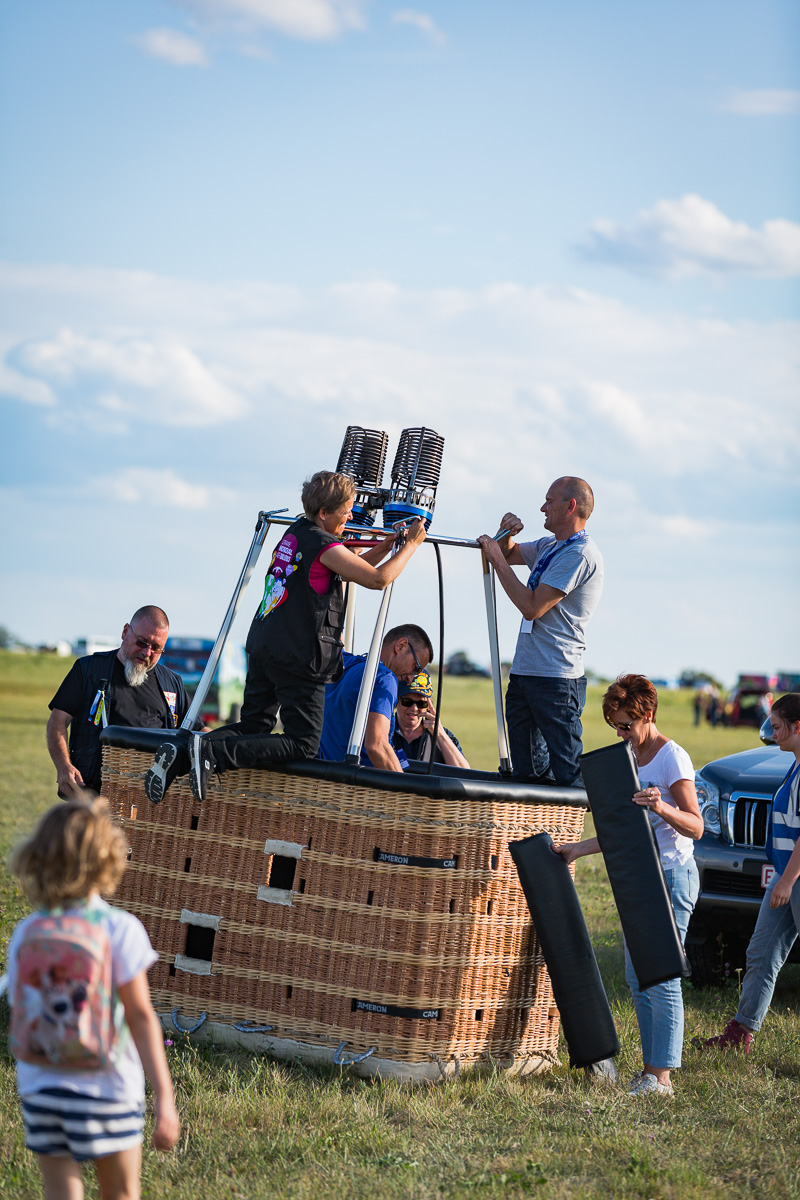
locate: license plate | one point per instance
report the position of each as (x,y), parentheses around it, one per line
(767,872)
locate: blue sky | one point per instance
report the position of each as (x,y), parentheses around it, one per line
(567,237)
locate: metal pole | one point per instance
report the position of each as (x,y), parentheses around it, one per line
(262,528)
(494,651)
(350,619)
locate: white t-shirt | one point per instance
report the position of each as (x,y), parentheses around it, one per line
(131,953)
(670,764)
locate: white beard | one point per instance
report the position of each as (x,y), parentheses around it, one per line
(135,673)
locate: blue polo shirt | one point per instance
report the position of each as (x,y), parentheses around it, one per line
(340,706)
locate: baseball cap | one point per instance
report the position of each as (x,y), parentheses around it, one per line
(419,685)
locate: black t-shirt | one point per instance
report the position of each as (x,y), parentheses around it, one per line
(126,705)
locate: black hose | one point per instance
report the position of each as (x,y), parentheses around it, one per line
(435,740)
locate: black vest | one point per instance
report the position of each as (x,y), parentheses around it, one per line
(297,629)
(84,736)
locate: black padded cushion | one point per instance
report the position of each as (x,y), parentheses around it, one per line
(447,785)
(634,865)
(557,916)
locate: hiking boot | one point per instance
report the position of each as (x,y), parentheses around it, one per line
(647,1083)
(201,764)
(162,772)
(734,1036)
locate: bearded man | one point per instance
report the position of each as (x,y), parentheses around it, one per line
(127,686)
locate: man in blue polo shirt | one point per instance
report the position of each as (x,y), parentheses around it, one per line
(406,649)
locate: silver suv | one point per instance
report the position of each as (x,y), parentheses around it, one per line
(735,795)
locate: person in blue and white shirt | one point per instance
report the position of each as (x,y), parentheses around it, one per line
(547,687)
(778,923)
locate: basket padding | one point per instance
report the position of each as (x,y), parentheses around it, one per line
(634,865)
(577,987)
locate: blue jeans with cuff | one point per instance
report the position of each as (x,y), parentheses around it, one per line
(773,937)
(659,1009)
(544,728)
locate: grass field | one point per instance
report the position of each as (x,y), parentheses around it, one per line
(255,1128)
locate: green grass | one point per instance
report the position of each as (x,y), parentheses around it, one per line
(259,1129)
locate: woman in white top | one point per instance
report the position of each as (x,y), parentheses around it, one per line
(666,776)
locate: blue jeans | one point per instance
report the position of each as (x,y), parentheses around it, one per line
(544,727)
(659,1009)
(773,937)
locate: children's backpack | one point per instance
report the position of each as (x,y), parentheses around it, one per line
(62,1009)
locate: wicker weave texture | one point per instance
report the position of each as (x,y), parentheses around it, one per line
(335,913)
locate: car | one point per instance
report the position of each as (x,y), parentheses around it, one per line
(735,796)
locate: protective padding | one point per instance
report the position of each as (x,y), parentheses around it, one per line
(633,863)
(577,987)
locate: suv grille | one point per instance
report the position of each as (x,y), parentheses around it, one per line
(725,883)
(744,820)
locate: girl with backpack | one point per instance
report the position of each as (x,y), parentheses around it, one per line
(82,1023)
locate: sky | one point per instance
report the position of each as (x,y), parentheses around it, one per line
(564,236)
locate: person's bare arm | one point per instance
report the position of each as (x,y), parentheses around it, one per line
(685,819)
(375,554)
(355,568)
(377,745)
(530,604)
(149,1040)
(449,750)
(569,851)
(782,889)
(70,780)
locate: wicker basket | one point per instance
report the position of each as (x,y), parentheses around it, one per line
(300,914)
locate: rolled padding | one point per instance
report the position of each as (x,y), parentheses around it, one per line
(633,863)
(558,919)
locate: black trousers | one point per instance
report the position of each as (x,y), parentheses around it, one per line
(251,742)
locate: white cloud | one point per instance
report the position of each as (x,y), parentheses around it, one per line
(686,428)
(144,378)
(160,488)
(16,386)
(691,236)
(310,20)
(421,21)
(768,102)
(173,47)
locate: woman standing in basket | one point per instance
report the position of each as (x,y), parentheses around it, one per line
(666,776)
(294,644)
(778,921)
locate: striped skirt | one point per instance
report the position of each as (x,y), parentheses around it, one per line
(65,1123)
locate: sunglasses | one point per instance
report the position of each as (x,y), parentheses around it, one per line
(623,728)
(418,664)
(407,702)
(143,644)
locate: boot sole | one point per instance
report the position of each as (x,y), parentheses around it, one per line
(157,780)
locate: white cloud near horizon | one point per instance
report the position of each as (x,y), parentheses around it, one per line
(134,377)
(691,236)
(161,488)
(195,398)
(173,47)
(309,20)
(768,102)
(422,21)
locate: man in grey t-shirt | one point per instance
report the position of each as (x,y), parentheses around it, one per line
(547,687)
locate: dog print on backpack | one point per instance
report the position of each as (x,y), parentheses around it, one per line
(62,1010)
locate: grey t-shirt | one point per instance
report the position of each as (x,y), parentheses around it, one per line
(554,643)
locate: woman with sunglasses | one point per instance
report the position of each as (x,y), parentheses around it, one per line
(666,776)
(415,719)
